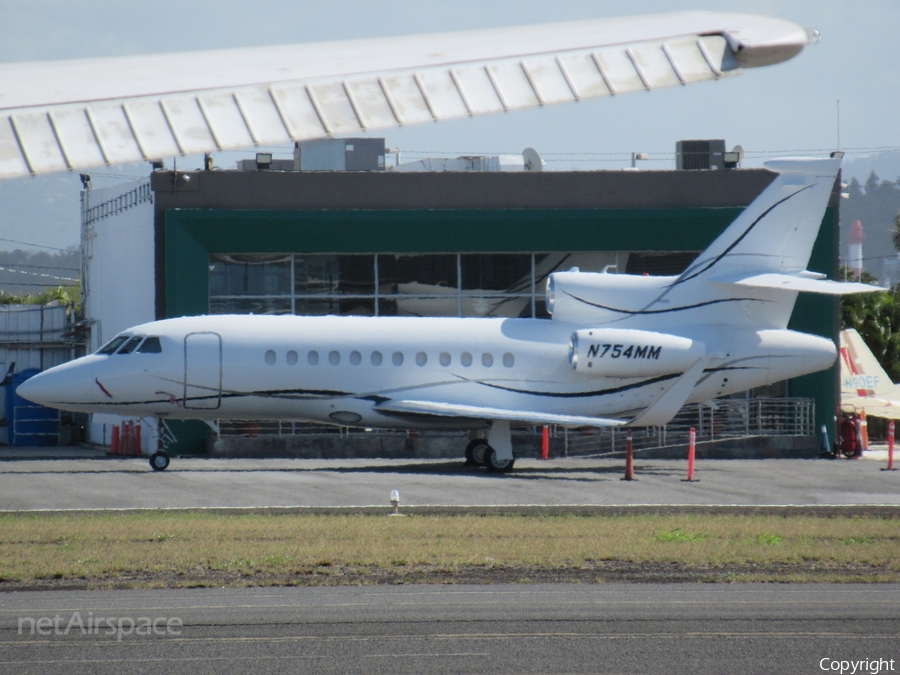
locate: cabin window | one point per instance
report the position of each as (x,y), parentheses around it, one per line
(111,346)
(421,359)
(292,358)
(376,358)
(466,359)
(509,360)
(487,359)
(355,358)
(397,358)
(445,359)
(150,346)
(334,357)
(131,345)
(313,358)
(270,357)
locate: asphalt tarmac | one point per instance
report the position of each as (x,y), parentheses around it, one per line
(671,629)
(57,481)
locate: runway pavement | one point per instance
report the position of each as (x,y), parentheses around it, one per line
(671,629)
(92,481)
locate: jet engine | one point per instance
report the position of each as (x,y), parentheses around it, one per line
(622,352)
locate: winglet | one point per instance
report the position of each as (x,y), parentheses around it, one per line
(667,406)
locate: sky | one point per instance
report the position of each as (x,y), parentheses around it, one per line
(788,109)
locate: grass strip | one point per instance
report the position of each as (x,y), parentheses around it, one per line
(200,548)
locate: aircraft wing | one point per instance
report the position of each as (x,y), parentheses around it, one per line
(69,115)
(874,407)
(479,412)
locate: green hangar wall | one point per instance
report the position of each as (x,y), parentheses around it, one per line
(240,212)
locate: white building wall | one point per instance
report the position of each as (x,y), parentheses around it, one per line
(118,274)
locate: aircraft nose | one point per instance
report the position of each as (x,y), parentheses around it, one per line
(58,387)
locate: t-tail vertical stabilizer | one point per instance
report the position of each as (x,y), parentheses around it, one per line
(864,384)
(776,233)
(749,276)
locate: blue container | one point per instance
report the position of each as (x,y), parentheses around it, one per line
(29,423)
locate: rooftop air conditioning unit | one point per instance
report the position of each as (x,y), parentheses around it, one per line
(706,155)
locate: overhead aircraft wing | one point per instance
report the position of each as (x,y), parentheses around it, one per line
(479,412)
(57,116)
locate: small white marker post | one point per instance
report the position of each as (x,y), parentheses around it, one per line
(890,466)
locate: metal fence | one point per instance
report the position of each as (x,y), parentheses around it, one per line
(729,418)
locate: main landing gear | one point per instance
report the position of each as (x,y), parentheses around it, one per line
(495,452)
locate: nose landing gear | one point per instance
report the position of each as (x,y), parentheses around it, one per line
(159,461)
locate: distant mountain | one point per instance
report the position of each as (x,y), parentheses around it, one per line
(885,164)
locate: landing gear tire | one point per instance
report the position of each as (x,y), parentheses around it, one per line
(495,465)
(476,451)
(159,461)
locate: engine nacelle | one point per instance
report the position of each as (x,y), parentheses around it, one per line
(622,352)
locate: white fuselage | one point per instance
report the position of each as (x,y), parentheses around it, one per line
(338,369)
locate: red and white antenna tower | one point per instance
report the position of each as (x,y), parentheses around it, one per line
(854,248)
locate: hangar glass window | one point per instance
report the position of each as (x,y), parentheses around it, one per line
(409,284)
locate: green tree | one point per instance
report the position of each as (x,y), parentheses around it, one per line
(895,236)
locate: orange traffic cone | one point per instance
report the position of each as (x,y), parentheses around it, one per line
(114,443)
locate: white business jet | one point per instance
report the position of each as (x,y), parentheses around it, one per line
(620,350)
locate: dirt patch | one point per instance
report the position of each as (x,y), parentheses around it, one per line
(601,572)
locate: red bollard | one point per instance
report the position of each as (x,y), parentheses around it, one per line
(890,466)
(545,443)
(692,448)
(114,443)
(864,429)
(629,458)
(137,440)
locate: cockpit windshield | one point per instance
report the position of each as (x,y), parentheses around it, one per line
(126,344)
(131,345)
(111,346)
(151,346)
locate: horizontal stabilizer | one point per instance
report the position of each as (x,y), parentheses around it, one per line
(805,282)
(479,412)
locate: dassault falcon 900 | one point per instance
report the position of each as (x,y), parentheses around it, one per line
(619,350)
